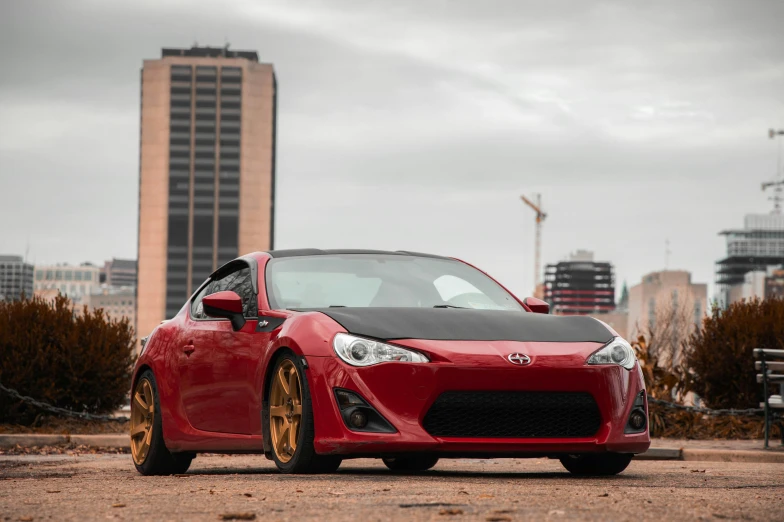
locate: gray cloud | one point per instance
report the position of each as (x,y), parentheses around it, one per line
(417,125)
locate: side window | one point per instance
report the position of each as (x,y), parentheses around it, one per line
(240,282)
(197,310)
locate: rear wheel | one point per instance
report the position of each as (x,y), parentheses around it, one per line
(596,464)
(411,463)
(291,421)
(149,452)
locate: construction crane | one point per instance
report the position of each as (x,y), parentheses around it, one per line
(540,216)
(778,185)
(778,188)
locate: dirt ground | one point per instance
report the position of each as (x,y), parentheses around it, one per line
(105,486)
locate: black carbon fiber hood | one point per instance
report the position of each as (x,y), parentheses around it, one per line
(452,324)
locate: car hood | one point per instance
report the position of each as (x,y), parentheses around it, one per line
(452,324)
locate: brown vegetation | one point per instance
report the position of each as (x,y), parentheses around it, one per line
(79,361)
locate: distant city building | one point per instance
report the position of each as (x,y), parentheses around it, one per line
(207,171)
(116,302)
(580,286)
(75,282)
(774,284)
(755,248)
(119,272)
(16,278)
(666,292)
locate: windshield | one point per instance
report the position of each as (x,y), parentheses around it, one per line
(370,280)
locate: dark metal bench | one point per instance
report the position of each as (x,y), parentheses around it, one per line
(771,364)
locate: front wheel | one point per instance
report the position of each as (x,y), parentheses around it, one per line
(411,463)
(291,421)
(596,464)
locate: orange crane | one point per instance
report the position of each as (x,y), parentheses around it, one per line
(540,216)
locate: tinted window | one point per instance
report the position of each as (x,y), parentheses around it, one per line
(197,309)
(238,281)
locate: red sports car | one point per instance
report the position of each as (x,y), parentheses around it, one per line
(315,356)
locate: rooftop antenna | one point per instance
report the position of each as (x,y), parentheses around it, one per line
(778,184)
(667,253)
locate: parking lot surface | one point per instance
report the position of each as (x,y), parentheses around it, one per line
(218,487)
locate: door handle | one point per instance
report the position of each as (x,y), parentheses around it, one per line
(188,349)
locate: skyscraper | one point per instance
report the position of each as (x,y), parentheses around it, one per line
(207,171)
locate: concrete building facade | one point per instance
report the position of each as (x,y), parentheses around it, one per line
(207,171)
(16,278)
(751,252)
(663,292)
(119,273)
(75,282)
(116,302)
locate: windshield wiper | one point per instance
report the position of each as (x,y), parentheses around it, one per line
(449,306)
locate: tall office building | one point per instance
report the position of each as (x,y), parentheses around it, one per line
(207,171)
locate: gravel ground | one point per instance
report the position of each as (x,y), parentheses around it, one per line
(104,486)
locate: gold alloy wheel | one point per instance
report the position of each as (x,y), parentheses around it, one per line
(285,410)
(142,416)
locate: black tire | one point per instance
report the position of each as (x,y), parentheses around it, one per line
(159,460)
(596,464)
(411,463)
(305,460)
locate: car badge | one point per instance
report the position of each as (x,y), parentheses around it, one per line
(264,323)
(519,359)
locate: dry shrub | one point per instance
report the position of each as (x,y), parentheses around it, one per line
(77,361)
(680,424)
(720,354)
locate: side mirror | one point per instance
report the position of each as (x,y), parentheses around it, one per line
(537,306)
(225,304)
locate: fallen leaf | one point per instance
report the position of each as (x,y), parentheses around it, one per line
(604,495)
(247,494)
(698,471)
(451,511)
(462,492)
(238,516)
(53,491)
(299,491)
(118,505)
(498,518)
(502,511)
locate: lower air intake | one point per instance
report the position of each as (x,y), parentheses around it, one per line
(521,415)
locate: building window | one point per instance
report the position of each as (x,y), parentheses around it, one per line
(88,276)
(58,275)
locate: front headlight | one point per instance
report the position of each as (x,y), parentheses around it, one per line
(357,351)
(617,351)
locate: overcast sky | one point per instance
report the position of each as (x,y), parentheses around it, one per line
(417,125)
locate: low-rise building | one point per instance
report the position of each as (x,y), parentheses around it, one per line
(75,282)
(119,272)
(16,278)
(116,302)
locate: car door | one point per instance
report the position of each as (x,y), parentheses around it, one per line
(216,361)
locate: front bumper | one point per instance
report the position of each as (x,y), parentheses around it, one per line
(403,393)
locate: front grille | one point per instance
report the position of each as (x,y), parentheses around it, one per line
(513,415)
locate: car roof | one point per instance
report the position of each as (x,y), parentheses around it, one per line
(298,252)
